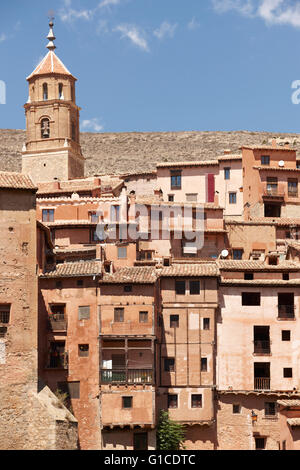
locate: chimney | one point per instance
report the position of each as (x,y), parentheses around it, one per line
(227,152)
(56,184)
(274,143)
(158,194)
(97,181)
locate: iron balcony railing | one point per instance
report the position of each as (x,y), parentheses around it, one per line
(262,383)
(272,191)
(262,347)
(286,311)
(132,376)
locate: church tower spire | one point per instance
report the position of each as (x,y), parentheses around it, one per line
(52,149)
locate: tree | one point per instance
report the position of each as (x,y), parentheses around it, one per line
(170,435)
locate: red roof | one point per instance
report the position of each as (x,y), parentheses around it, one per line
(15,181)
(50,64)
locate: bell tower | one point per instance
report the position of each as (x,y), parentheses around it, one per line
(52,149)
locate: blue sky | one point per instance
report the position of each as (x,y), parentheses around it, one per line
(161,65)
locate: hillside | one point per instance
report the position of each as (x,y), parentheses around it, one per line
(117,153)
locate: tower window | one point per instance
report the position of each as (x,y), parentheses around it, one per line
(45,92)
(73,131)
(45,128)
(60,91)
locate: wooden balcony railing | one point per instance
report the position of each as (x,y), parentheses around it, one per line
(129,376)
(262,347)
(286,311)
(57,322)
(273,192)
(262,383)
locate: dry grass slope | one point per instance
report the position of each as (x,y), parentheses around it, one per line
(119,153)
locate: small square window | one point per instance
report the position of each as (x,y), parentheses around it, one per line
(122,252)
(174,321)
(79,283)
(260,443)
(128,288)
(265,160)
(196,401)
(171,197)
(270,408)
(84,313)
(172,401)
(169,363)
(250,298)
(285,276)
(285,335)
(287,372)
(232,198)
(4,313)
(180,287)
(143,317)
(83,350)
(236,408)
(194,287)
(203,364)
(206,323)
(237,254)
(126,402)
(248,276)
(48,215)
(119,315)
(227,173)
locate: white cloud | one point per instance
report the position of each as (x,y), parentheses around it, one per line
(280,12)
(69,14)
(135,34)
(3,37)
(108,3)
(193,24)
(91,125)
(165,29)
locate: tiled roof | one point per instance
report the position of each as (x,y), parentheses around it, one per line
(277,221)
(275,168)
(77,268)
(267,147)
(76,249)
(293,421)
(200,269)
(291,403)
(230,157)
(135,275)
(243,265)
(106,184)
(153,201)
(260,282)
(50,64)
(62,223)
(187,163)
(15,181)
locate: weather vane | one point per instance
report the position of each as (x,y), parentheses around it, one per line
(51,15)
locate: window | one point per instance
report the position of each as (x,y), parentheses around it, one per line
(285,335)
(206,323)
(122,252)
(83,350)
(45,128)
(265,160)
(60,91)
(238,254)
(94,217)
(203,364)
(57,355)
(128,288)
(292,187)
(227,173)
(285,276)
(196,401)
(171,197)
(169,363)
(232,198)
(236,409)
(45,91)
(3,331)
(250,298)
(4,313)
(172,401)
(248,276)
(115,213)
(180,287)
(272,185)
(73,131)
(286,307)
(126,402)
(84,313)
(79,283)
(176,179)
(74,389)
(191,197)
(174,321)
(287,372)
(260,443)
(194,287)
(270,408)
(143,317)
(48,215)
(58,284)
(119,315)
(140,441)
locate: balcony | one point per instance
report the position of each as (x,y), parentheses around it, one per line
(57,322)
(129,376)
(272,192)
(262,383)
(262,347)
(286,311)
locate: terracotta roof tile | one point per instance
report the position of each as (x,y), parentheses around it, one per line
(276,221)
(242,265)
(50,64)
(275,168)
(187,163)
(260,282)
(292,403)
(293,421)
(15,181)
(74,269)
(135,275)
(200,269)
(267,147)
